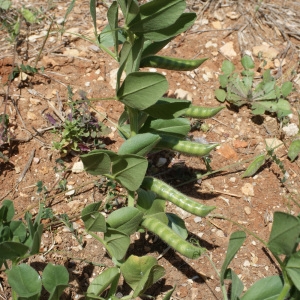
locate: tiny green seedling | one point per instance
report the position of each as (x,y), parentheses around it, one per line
(261,97)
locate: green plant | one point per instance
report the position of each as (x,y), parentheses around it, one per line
(81,131)
(283,244)
(262,159)
(18,241)
(150,122)
(261,97)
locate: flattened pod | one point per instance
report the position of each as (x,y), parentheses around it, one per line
(167,192)
(201,112)
(172,239)
(171,63)
(187,147)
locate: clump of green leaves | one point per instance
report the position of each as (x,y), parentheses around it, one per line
(283,244)
(81,131)
(18,241)
(261,97)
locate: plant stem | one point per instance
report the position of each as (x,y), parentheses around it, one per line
(130,198)
(284,291)
(134,122)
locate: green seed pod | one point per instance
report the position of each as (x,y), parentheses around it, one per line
(171,63)
(172,239)
(201,112)
(167,192)
(186,147)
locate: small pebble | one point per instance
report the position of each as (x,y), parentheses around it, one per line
(197,219)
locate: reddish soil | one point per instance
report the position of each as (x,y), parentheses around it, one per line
(250,202)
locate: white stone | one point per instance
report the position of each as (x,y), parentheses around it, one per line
(291,129)
(78,167)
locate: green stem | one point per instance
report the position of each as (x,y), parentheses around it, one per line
(286,288)
(130,198)
(133,120)
(223,288)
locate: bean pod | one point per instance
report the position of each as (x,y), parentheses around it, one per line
(171,63)
(201,112)
(172,239)
(186,147)
(167,192)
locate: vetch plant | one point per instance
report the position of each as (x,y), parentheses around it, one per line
(150,122)
(261,97)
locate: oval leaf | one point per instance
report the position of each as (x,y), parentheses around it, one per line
(24,280)
(254,166)
(125,219)
(294,150)
(96,162)
(142,89)
(140,144)
(266,288)
(220,95)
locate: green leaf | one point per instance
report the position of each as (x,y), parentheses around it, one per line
(156,15)
(125,219)
(93,219)
(177,225)
(7,211)
(178,126)
(254,166)
(36,240)
(267,288)
(169,294)
(93,14)
(286,88)
(130,9)
(112,17)
(24,280)
(28,15)
(168,108)
(237,286)
(284,234)
(130,171)
(220,95)
(105,37)
(227,67)
(142,89)
(140,144)
(5,4)
(152,48)
(18,230)
(247,62)
(293,269)
(294,150)
(102,281)
(235,242)
(223,79)
(134,57)
(141,272)
(117,243)
(96,162)
(12,250)
(184,22)
(55,280)
(148,204)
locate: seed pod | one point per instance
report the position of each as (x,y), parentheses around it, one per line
(201,112)
(167,192)
(172,239)
(186,147)
(171,63)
